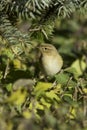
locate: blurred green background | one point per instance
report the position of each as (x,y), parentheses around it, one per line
(28,104)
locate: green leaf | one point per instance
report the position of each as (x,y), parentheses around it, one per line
(62,78)
(72,71)
(68,97)
(71,84)
(9,87)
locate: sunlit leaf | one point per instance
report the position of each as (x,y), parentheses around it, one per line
(85,90)
(41,87)
(45,103)
(18,64)
(52,95)
(80,66)
(27,114)
(72,113)
(72,71)
(17,97)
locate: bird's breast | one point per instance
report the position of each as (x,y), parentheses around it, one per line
(51,65)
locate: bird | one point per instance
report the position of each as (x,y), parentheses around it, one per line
(50,59)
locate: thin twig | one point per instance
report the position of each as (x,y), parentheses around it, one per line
(6,70)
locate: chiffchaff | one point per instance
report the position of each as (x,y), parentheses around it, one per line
(51,60)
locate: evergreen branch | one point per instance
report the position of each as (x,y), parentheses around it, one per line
(3,4)
(33,8)
(47,21)
(43,11)
(84,4)
(11,33)
(26,8)
(60,8)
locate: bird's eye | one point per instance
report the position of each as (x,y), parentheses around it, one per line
(45,48)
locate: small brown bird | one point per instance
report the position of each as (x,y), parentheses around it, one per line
(51,60)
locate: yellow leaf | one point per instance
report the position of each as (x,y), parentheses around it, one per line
(27,114)
(80,66)
(72,113)
(17,64)
(52,95)
(17,97)
(45,104)
(85,90)
(36,105)
(41,87)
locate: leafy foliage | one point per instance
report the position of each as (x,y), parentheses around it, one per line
(27,99)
